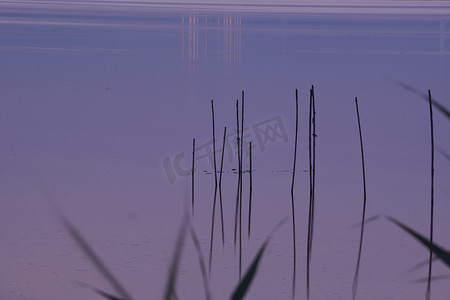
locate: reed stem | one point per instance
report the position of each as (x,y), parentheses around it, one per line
(294,274)
(314,135)
(240,186)
(361,237)
(215,189)
(220,184)
(239,175)
(428,292)
(310,213)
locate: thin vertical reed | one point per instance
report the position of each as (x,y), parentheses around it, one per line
(215,189)
(311,201)
(294,274)
(355,278)
(220,185)
(250,192)
(428,292)
(239,175)
(240,187)
(314,135)
(192,174)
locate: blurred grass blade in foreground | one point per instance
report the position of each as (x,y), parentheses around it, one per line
(107,296)
(243,286)
(94,258)
(435,103)
(438,277)
(443,254)
(172,277)
(98,291)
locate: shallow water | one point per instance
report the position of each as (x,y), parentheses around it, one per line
(100,104)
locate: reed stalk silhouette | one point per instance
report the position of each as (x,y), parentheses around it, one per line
(239,176)
(294,272)
(361,237)
(215,189)
(220,185)
(240,186)
(314,135)
(312,147)
(428,292)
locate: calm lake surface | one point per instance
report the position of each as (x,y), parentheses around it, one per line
(100,103)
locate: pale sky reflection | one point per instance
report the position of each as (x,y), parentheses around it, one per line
(286,6)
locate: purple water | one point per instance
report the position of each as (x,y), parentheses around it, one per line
(100,103)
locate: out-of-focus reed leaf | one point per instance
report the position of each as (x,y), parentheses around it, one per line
(107,296)
(367,221)
(435,103)
(86,248)
(244,284)
(437,250)
(421,264)
(99,291)
(444,154)
(173,271)
(201,262)
(94,258)
(437,277)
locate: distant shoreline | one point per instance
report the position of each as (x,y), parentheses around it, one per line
(370,7)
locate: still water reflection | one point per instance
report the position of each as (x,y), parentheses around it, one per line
(98,101)
(198,39)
